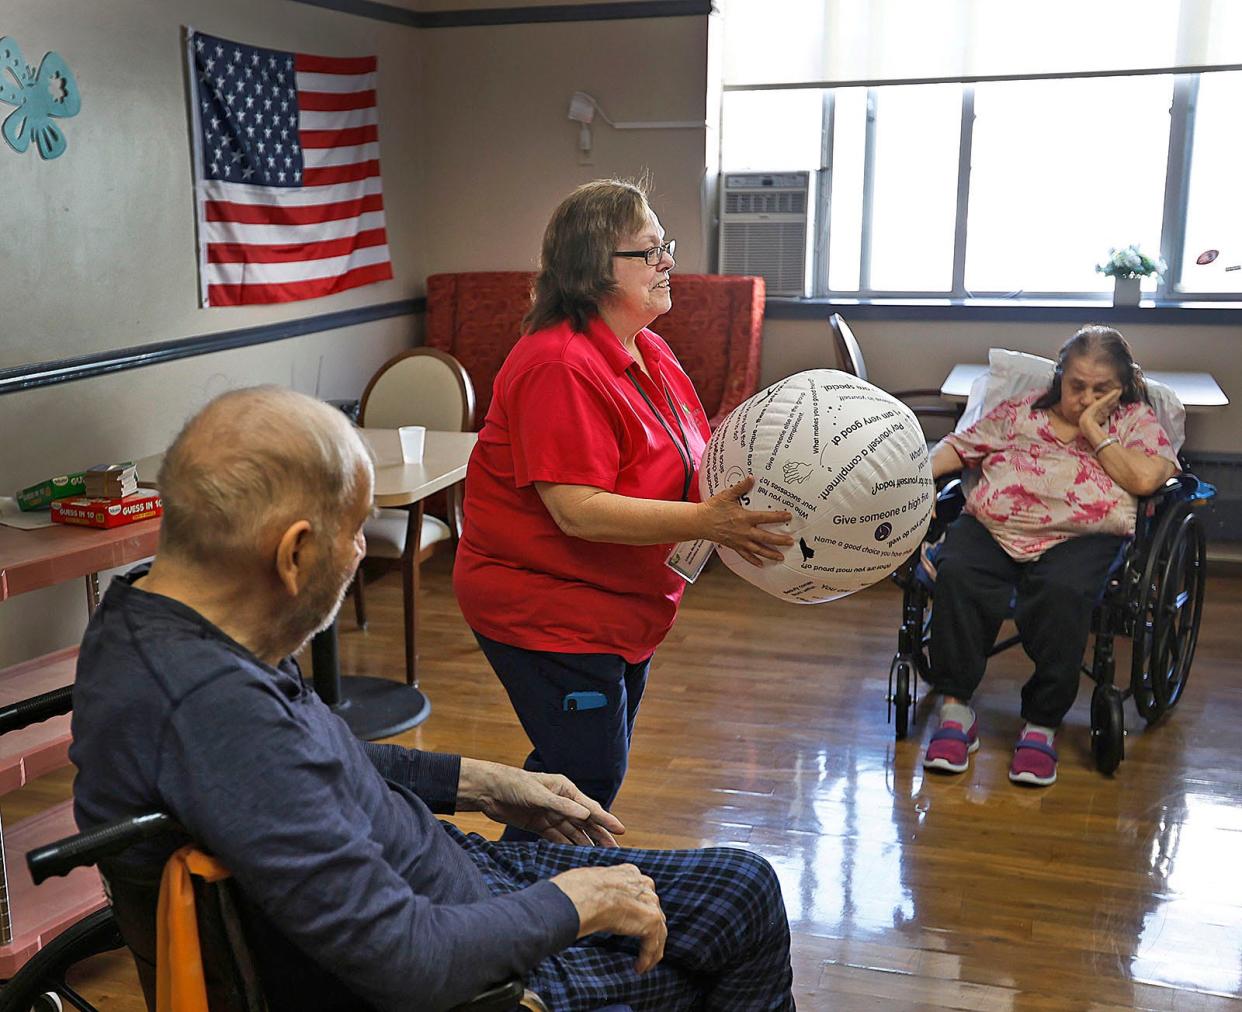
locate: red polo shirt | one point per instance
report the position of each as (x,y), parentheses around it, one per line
(575,409)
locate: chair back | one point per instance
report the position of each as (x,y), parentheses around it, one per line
(715,328)
(423,386)
(1014,374)
(849,354)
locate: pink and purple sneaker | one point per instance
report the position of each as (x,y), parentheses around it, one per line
(949,749)
(1034,760)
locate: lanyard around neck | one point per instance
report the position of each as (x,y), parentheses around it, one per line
(681,445)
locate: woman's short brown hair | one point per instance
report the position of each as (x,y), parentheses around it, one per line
(1099,342)
(575,263)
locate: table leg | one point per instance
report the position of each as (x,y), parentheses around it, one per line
(92,593)
(372,707)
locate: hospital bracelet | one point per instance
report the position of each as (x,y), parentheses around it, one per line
(1103,443)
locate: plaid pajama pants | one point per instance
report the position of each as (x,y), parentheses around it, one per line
(728,937)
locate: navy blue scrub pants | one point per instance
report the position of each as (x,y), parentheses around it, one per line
(577,710)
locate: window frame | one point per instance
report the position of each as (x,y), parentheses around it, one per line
(1173,218)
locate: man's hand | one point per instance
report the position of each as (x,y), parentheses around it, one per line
(544,803)
(619,899)
(730,524)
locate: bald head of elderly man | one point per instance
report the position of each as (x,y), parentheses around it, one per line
(187,700)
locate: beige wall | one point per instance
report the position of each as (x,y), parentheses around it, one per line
(99,247)
(501,151)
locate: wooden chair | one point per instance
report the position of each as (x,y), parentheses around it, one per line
(425,387)
(850,359)
(715,328)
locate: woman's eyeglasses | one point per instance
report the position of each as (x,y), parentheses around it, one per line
(652,256)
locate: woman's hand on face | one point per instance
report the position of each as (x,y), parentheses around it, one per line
(1095,415)
(732,525)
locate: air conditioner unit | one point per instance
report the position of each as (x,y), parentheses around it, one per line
(767,228)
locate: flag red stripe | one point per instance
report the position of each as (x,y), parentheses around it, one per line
(340,138)
(249,295)
(308,214)
(335,101)
(341,173)
(333,64)
(242,253)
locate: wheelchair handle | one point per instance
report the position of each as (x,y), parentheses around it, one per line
(62,856)
(15,716)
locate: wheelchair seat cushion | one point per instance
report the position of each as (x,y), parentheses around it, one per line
(1034,761)
(949,749)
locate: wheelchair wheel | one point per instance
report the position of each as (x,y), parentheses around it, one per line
(1170,607)
(1107,728)
(900,700)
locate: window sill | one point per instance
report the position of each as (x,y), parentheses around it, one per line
(1025,311)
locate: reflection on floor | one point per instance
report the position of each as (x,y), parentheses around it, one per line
(764,727)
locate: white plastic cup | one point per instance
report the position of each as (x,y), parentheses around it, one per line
(412,439)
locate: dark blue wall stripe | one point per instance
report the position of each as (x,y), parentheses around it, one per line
(516,15)
(66,370)
(370,9)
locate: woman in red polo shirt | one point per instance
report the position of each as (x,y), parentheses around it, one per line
(584,476)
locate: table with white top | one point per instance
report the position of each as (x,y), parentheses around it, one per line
(1198,391)
(379,707)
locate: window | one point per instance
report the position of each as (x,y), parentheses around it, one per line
(914,188)
(1008,188)
(1214,208)
(1060,171)
(765,131)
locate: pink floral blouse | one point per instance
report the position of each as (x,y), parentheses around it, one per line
(1035,491)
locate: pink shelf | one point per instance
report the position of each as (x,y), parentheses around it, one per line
(30,560)
(40,913)
(36,749)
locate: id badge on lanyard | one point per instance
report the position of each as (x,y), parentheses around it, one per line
(688,558)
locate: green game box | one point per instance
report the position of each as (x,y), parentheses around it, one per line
(41,495)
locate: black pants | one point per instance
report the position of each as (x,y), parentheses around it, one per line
(578,711)
(1056,595)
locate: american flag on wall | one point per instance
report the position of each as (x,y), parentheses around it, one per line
(287,173)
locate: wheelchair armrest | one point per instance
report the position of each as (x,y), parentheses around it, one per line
(36,709)
(497,998)
(944,409)
(1183,486)
(61,856)
(950,501)
(1174,486)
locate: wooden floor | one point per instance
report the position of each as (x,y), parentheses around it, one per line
(764,727)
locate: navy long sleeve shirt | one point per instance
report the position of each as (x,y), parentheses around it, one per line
(332,838)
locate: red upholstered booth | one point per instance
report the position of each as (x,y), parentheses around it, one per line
(714,328)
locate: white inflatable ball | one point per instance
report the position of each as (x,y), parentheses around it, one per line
(847,460)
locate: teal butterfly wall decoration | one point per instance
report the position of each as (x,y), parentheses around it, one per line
(41,96)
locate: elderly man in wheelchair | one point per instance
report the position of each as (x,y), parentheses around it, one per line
(187,702)
(1047,523)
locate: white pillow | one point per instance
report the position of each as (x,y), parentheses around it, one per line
(1013,374)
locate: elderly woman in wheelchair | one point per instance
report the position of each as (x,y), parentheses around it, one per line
(1060,473)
